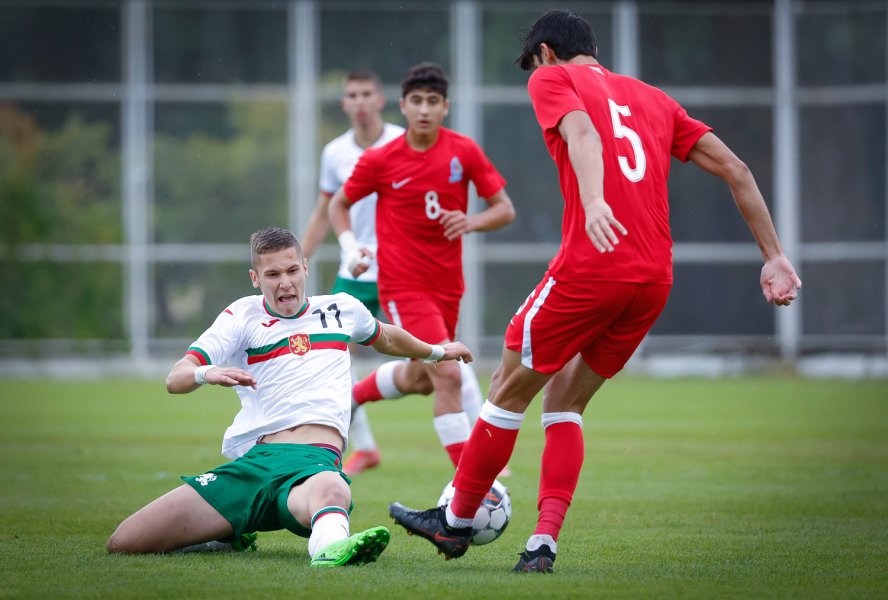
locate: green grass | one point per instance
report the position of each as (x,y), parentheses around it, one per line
(736,488)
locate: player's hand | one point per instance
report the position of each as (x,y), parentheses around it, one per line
(358,261)
(457,351)
(455,223)
(779,281)
(600,225)
(230,377)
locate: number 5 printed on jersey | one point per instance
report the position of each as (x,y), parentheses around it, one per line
(621,131)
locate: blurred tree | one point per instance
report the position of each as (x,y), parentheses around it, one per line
(58,187)
(218,184)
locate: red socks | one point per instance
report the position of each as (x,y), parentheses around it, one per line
(454,451)
(486,452)
(559,473)
(366,390)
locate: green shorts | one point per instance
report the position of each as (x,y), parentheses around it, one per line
(251,492)
(365,291)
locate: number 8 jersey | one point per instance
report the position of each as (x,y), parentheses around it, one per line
(301,363)
(413,188)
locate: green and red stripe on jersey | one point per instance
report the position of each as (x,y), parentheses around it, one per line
(317,341)
(372,339)
(202,357)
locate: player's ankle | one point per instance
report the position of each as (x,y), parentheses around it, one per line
(541,539)
(455,522)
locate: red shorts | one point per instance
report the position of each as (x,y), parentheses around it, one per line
(604,321)
(429,317)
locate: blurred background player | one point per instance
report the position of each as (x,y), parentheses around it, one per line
(421,180)
(287,357)
(362,101)
(611,137)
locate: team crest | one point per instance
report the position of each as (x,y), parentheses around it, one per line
(456,170)
(299,344)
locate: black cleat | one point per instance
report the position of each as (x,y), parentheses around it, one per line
(540,560)
(432,525)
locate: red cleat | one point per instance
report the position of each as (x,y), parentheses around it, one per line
(361,460)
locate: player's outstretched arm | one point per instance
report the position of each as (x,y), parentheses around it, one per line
(187,375)
(395,341)
(779,280)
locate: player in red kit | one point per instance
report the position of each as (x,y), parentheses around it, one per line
(611,137)
(422,182)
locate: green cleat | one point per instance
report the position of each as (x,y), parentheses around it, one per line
(246,543)
(358,549)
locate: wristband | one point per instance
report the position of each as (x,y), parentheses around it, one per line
(435,355)
(200,374)
(348,242)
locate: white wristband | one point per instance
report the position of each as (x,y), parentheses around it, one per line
(436,354)
(200,374)
(348,242)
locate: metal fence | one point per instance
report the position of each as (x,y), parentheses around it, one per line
(214,115)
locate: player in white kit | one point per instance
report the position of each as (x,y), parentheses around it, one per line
(287,357)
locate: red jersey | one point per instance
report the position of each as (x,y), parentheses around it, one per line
(640,127)
(413,188)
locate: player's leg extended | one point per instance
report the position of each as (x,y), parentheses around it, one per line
(564,399)
(320,503)
(492,440)
(179,518)
(486,452)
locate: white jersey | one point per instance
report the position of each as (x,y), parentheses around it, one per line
(338,160)
(301,363)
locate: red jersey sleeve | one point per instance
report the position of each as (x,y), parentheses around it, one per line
(553,95)
(362,182)
(484,175)
(687,131)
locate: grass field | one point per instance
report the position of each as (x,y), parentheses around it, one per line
(736,488)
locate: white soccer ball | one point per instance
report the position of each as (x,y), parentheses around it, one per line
(492,516)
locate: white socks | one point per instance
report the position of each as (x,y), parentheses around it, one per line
(470,392)
(535,541)
(385,379)
(501,417)
(550,418)
(454,521)
(328,525)
(359,432)
(452,428)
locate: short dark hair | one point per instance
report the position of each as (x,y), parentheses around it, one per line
(271,239)
(364,75)
(565,32)
(425,76)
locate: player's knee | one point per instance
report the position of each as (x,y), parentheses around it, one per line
(334,492)
(422,385)
(117,544)
(335,496)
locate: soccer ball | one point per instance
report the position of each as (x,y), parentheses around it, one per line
(493,515)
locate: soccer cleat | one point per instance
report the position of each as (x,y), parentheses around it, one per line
(431,524)
(358,549)
(361,460)
(247,542)
(540,560)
